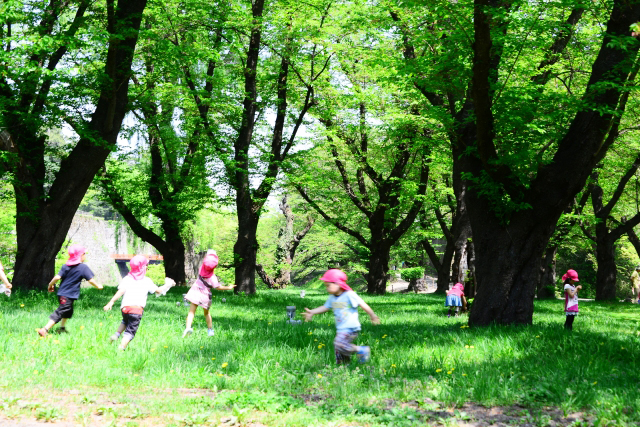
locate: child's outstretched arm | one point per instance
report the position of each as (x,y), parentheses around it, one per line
(115,298)
(4,279)
(52,283)
(464,303)
(308,314)
(225,288)
(95,284)
(168,284)
(374,318)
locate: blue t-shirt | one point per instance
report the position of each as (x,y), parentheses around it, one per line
(71,278)
(345,309)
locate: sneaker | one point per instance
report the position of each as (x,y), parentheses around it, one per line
(210,332)
(187,331)
(120,348)
(42,332)
(62,330)
(114,337)
(364,354)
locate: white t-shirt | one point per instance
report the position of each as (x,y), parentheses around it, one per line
(136,291)
(571,302)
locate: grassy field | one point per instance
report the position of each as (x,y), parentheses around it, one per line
(258,370)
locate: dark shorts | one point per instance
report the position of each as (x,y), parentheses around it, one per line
(64,310)
(131,324)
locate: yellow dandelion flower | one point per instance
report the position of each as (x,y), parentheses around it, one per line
(464,375)
(315,339)
(35,372)
(471,346)
(56,342)
(466,346)
(225,364)
(153,349)
(320,346)
(319,375)
(81,327)
(393,365)
(171,371)
(136,375)
(453,369)
(100,324)
(310,332)
(21,305)
(269,323)
(595,382)
(449,372)
(213,358)
(438,370)
(537,336)
(201,347)
(69,362)
(166,346)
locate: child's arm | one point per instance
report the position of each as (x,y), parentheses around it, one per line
(52,283)
(225,288)
(572,292)
(115,298)
(464,303)
(308,314)
(447,292)
(94,284)
(3,277)
(168,284)
(374,318)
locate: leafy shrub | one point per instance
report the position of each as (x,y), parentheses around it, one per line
(156,273)
(412,273)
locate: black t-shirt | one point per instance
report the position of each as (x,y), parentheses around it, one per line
(71,278)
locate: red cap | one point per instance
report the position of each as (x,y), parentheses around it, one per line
(570,274)
(336,276)
(75,254)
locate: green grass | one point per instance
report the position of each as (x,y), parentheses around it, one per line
(278,373)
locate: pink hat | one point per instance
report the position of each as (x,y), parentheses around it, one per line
(336,276)
(570,274)
(75,254)
(459,286)
(209,263)
(138,266)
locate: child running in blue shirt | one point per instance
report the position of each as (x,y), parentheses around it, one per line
(344,302)
(71,274)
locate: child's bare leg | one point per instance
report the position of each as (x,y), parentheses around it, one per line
(207,317)
(191,315)
(192,312)
(126,339)
(63,322)
(118,332)
(49,324)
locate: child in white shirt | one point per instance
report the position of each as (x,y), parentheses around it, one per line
(570,297)
(134,289)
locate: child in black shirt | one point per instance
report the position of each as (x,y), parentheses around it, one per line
(71,275)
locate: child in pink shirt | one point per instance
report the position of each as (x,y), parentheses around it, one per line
(455,298)
(570,297)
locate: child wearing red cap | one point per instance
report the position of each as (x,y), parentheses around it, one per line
(570,297)
(200,292)
(344,302)
(455,298)
(134,289)
(71,274)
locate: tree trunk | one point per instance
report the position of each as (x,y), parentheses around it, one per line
(245,252)
(174,257)
(605,256)
(417,285)
(378,269)
(548,274)
(444,272)
(44,222)
(471,284)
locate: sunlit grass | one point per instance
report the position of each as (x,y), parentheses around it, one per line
(417,353)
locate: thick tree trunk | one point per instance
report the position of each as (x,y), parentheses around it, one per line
(548,274)
(174,257)
(43,222)
(444,272)
(471,284)
(605,256)
(378,269)
(245,252)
